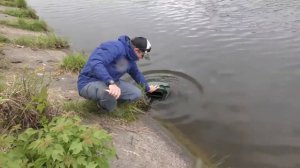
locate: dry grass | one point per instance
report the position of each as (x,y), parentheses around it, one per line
(24,103)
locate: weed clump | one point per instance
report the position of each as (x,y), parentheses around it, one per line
(3,39)
(74,62)
(24,103)
(43,41)
(130,111)
(21,3)
(81,107)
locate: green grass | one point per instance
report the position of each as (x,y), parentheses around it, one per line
(74,62)
(21,3)
(126,111)
(81,107)
(2,84)
(14,3)
(3,39)
(42,41)
(7,3)
(4,62)
(22,13)
(27,24)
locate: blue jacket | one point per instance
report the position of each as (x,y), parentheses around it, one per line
(110,61)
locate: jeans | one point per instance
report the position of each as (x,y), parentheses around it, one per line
(96,91)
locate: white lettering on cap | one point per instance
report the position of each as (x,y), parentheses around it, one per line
(148,45)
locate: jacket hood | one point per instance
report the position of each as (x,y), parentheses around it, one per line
(128,47)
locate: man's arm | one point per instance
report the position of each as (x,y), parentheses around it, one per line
(135,73)
(101,57)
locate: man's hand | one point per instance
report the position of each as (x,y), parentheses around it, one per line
(153,88)
(114,90)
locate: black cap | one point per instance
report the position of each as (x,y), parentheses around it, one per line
(142,43)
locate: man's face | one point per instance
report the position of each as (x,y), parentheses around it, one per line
(139,53)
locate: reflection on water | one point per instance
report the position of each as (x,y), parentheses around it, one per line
(244,53)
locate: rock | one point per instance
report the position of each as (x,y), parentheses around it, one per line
(39,61)
(16,61)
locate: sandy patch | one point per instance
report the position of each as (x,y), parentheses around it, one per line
(13,33)
(3,8)
(23,57)
(6,17)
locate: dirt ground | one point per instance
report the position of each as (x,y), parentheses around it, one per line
(143,143)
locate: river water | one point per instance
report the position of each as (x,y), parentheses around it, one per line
(244,54)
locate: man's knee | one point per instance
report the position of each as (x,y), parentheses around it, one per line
(93,90)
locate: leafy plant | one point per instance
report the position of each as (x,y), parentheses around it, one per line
(5,142)
(64,142)
(74,62)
